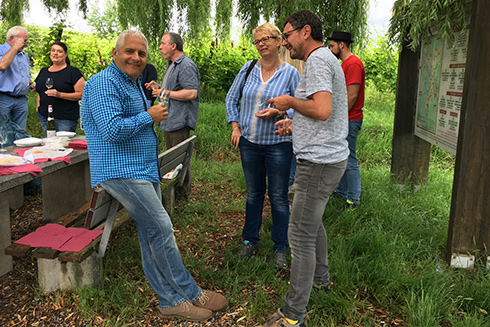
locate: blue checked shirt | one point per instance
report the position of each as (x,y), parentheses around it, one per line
(120,136)
(255,94)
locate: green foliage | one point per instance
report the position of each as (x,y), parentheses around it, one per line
(106,24)
(381,63)
(218,63)
(87,52)
(11,11)
(416,20)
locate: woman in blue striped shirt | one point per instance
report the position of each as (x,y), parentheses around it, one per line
(266,157)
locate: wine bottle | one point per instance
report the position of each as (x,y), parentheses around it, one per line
(51,125)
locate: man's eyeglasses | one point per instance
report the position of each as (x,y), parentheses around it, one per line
(286,35)
(264,39)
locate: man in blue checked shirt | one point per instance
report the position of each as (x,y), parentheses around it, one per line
(123,150)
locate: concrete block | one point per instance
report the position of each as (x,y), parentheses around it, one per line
(15,197)
(168,199)
(56,275)
(463,261)
(5,236)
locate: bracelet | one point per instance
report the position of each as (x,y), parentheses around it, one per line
(235,128)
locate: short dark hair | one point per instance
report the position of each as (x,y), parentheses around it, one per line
(306,17)
(65,48)
(177,39)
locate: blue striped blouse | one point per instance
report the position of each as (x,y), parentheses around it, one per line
(255,94)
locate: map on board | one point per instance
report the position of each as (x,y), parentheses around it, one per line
(440,93)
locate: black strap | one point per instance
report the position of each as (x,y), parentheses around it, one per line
(249,70)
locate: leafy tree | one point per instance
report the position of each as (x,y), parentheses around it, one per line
(381,63)
(105,24)
(414,20)
(153,17)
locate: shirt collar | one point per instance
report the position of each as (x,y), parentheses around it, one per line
(179,60)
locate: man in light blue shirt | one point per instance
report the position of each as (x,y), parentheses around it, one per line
(123,152)
(15,78)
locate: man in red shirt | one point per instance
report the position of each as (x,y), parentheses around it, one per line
(349,187)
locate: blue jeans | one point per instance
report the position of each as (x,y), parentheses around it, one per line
(14,108)
(350,185)
(162,263)
(62,125)
(275,162)
(313,186)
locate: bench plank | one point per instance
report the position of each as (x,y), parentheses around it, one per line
(99,207)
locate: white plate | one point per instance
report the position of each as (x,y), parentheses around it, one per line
(30,141)
(66,134)
(9,160)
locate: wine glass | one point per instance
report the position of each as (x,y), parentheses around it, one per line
(3,138)
(49,83)
(163,97)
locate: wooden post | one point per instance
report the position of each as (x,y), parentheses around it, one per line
(411,154)
(469,225)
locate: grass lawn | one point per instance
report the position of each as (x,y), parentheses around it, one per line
(385,256)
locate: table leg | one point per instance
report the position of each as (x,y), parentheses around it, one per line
(5,237)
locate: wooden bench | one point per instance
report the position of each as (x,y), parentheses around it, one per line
(168,160)
(69,270)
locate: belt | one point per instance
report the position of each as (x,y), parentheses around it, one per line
(12,96)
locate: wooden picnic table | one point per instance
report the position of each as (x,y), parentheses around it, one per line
(64,187)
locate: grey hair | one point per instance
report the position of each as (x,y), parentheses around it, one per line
(122,37)
(15,31)
(177,39)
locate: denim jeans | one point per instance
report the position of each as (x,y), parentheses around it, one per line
(313,186)
(14,108)
(62,125)
(350,185)
(273,161)
(162,263)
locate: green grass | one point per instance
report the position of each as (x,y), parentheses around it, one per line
(386,256)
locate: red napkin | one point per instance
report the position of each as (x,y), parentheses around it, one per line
(21,152)
(26,168)
(78,145)
(60,238)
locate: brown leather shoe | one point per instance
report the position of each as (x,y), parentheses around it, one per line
(188,311)
(211,300)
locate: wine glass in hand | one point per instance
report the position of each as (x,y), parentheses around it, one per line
(49,83)
(163,97)
(3,138)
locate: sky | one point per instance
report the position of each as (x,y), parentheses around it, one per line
(378,18)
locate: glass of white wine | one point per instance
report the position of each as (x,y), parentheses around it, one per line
(3,138)
(163,97)
(49,83)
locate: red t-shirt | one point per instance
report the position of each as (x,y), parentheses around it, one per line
(355,74)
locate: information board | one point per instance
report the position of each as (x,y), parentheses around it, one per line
(440,93)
